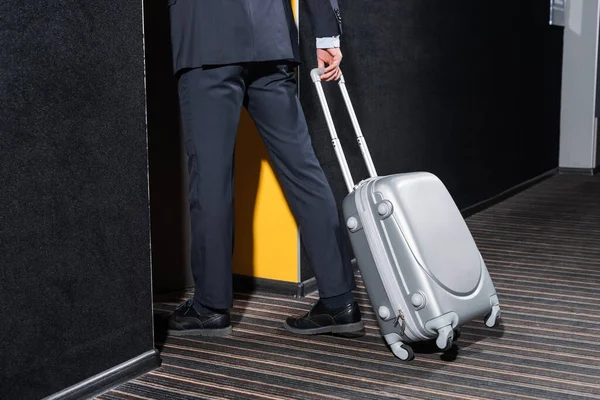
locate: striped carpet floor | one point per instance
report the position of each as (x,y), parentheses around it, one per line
(542,248)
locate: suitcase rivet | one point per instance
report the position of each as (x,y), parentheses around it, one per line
(383,208)
(352,223)
(384,313)
(417,300)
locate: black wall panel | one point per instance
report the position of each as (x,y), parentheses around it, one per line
(75,279)
(167,159)
(465,89)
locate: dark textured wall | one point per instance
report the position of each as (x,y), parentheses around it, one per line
(167,159)
(463,89)
(75,288)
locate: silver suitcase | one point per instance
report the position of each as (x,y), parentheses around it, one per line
(422,270)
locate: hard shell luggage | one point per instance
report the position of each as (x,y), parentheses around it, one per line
(422,270)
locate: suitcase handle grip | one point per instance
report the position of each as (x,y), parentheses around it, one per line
(315,75)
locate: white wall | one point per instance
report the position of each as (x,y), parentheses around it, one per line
(578,130)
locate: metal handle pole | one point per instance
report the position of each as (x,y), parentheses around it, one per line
(364,149)
(337,146)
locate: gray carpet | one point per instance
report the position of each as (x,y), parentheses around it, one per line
(542,248)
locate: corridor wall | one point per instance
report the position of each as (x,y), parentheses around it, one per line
(75,279)
(462,89)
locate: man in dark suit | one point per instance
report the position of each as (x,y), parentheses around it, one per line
(233,53)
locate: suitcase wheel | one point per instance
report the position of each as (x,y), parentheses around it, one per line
(449,344)
(403,351)
(445,338)
(456,334)
(491,319)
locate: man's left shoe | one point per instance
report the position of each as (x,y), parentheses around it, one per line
(186,321)
(321,319)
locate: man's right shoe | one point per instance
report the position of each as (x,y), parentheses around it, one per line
(321,319)
(186,321)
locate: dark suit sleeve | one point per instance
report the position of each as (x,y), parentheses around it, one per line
(325,17)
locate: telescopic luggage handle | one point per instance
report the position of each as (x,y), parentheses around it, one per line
(315,75)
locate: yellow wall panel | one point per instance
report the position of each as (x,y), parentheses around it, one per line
(266,235)
(266,240)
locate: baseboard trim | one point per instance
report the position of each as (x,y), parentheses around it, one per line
(578,171)
(482,205)
(250,284)
(110,378)
(306,288)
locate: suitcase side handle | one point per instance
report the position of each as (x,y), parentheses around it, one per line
(315,75)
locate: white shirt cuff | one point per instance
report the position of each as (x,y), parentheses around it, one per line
(328,42)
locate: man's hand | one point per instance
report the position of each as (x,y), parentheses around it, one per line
(332,57)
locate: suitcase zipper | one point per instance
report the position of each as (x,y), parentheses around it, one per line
(400,317)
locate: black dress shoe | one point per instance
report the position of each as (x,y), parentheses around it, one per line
(186,321)
(321,319)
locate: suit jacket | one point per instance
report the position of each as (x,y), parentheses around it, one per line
(218,32)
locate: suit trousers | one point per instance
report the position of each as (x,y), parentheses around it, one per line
(211,100)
